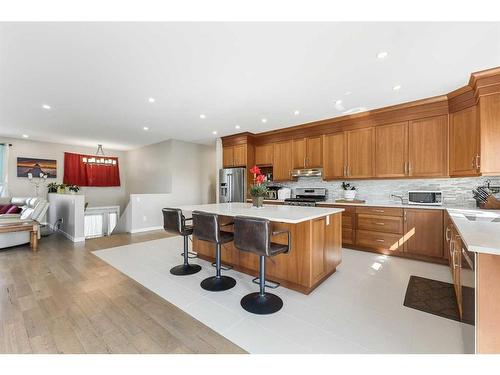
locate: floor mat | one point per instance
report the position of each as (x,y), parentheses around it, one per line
(435,297)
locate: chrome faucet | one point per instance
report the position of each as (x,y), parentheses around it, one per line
(398,196)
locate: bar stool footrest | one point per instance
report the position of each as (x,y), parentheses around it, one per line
(223,267)
(273,285)
(191,255)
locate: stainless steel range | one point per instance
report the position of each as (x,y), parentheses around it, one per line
(307,197)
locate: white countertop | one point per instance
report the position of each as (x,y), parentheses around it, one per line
(482,234)
(278,213)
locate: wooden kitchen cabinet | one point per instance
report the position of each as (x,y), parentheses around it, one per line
(333,156)
(282,161)
(307,152)
(360,153)
(489,118)
(423,232)
(391,150)
(428,147)
(234,156)
(264,154)
(464,143)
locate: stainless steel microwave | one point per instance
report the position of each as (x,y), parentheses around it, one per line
(423,197)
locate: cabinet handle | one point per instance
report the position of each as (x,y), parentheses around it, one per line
(478,162)
(380,223)
(348,172)
(380,240)
(406,168)
(378,211)
(409,169)
(305,162)
(448,238)
(345,170)
(404,215)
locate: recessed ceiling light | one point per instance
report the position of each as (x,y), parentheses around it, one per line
(338,102)
(338,105)
(348,93)
(296,112)
(214,132)
(382,55)
(26,136)
(145,128)
(237,127)
(202,116)
(46,106)
(396,88)
(151,100)
(264,120)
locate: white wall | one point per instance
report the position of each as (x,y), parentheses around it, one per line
(95,196)
(69,208)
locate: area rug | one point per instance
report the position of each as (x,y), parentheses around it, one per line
(435,297)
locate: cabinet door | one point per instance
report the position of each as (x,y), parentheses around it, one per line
(240,155)
(318,254)
(264,154)
(464,143)
(299,153)
(360,155)
(428,151)
(423,232)
(314,152)
(391,150)
(282,161)
(228,156)
(333,156)
(489,108)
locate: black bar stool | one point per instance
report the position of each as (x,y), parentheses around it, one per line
(207,228)
(254,235)
(175,222)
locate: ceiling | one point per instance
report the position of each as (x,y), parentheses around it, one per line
(97,77)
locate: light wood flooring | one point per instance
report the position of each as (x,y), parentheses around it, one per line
(63,299)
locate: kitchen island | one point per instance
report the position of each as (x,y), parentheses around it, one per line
(316,242)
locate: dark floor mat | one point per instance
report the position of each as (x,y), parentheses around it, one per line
(435,297)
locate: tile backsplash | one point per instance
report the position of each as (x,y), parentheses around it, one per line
(456,191)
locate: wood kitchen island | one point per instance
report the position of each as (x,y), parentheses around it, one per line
(316,236)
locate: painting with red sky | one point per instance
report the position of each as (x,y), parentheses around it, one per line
(36,166)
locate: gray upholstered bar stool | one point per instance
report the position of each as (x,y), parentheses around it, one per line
(207,228)
(254,235)
(175,222)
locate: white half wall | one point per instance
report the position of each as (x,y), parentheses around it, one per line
(71,209)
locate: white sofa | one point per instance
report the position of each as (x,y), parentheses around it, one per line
(32,209)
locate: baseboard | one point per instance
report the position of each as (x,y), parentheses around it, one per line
(148,229)
(68,236)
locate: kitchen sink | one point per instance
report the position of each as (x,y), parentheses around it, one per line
(488,219)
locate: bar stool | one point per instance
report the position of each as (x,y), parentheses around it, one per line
(175,222)
(254,235)
(207,228)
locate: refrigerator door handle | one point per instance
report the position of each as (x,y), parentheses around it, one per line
(229,187)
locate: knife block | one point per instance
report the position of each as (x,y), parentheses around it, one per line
(491,203)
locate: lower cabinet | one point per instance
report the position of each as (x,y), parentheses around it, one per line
(409,232)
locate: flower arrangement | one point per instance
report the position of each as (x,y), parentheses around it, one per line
(52,187)
(349,191)
(348,186)
(259,189)
(74,189)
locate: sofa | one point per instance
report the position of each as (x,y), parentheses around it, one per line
(30,208)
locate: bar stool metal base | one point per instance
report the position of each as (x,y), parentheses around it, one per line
(218,284)
(185,269)
(261,304)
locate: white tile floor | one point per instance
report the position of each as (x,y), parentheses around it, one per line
(359,309)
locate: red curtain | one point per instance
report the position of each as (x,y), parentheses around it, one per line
(76,172)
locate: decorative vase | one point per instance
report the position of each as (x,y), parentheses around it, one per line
(257,201)
(61,190)
(349,195)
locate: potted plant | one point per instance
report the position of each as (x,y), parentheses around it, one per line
(74,189)
(349,191)
(61,189)
(52,187)
(259,189)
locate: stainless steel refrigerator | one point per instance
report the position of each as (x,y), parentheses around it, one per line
(232,185)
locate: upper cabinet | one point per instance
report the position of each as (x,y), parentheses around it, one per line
(489,117)
(359,153)
(428,147)
(333,156)
(234,156)
(307,152)
(282,161)
(264,154)
(391,150)
(464,143)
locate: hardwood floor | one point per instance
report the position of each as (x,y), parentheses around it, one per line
(63,299)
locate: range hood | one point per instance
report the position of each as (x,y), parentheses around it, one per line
(309,172)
